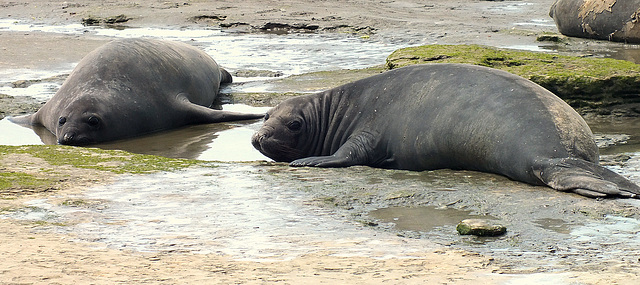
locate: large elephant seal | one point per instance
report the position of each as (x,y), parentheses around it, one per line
(614,20)
(132,87)
(438,116)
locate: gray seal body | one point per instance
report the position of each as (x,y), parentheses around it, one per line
(438,116)
(133,87)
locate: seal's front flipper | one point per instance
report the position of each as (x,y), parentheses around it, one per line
(323,161)
(584,178)
(357,150)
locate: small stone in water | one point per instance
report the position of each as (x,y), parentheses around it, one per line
(480,227)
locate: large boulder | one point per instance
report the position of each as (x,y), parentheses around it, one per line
(613,20)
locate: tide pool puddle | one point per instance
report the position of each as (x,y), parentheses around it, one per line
(424,218)
(557,225)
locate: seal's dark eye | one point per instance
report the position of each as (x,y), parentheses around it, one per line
(294,125)
(266,117)
(62,120)
(93,121)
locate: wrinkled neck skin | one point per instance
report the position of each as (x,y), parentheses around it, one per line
(331,120)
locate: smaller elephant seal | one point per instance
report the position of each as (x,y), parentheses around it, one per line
(613,20)
(437,116)
(132,87)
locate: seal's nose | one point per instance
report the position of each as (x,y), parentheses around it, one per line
(67,138)
(256,139)
(259,136)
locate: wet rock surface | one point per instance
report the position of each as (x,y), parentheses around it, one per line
(598,230)
(15,106)
(111,20)
(480,227)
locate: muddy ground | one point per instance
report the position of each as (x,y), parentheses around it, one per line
(541,243)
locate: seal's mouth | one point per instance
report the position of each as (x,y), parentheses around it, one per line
(71,138)
(273,148)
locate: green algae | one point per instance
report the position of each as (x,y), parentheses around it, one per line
(480,227)
(13,180)
(105,160)
(581,81)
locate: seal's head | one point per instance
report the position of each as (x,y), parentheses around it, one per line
(78,130)
(284,135)
(82,122)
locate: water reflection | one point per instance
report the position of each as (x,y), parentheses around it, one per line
(189,142)
(626,126)
(220,141)
(12,134)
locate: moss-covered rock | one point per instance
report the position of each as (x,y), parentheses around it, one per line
(581,81)
(480,227)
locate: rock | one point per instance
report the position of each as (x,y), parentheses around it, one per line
(116,19)
(257,73)
(607,140)
(480,227)
(91,21)
(95,21)
(208,18)
(550,38)
(21,84)
(583,82)
(274,27)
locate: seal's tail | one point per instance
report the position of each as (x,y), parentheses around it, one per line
(585,178)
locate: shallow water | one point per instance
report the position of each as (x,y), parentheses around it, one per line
(220,142)
(289,53)
(213,142)
(224,209)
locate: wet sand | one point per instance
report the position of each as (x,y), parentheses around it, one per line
(33,256)
(441,21)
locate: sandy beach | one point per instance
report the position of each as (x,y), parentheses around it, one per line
(31,255)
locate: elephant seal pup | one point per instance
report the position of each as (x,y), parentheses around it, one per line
(613,20)
(436,116)
(132,87)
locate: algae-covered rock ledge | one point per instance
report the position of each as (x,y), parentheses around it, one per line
(26,170)
(584,82)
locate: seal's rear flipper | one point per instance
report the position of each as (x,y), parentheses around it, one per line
(584,178)
(205,116)
(22,120)
(198,114)
(225,76)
